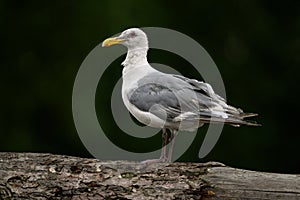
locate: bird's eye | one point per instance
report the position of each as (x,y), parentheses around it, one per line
(132,34)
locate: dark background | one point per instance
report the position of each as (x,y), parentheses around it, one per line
(255,44)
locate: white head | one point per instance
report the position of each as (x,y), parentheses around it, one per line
(133,38)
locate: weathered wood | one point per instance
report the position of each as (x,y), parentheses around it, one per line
(47,176)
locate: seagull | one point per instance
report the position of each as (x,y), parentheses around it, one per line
(167,101)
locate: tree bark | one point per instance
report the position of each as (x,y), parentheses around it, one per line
(47,176)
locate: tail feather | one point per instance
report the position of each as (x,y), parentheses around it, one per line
(246,115)
(231,121)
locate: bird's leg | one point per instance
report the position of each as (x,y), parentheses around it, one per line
(163,157)
(164,145)
(172,140)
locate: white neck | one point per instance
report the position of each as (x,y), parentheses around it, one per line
(137,56)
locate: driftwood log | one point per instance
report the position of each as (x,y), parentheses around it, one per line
(47,176)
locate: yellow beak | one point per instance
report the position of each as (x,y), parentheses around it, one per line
(111,41)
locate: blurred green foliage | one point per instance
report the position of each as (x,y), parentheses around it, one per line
(255,44)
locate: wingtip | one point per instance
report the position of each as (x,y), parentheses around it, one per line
(246,115)
(252,123)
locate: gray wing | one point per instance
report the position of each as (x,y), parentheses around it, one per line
(176,98)
(171,95)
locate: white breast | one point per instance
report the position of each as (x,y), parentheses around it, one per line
(131,75)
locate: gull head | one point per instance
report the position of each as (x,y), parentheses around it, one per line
(133,38)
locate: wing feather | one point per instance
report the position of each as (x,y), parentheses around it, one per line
(177,98)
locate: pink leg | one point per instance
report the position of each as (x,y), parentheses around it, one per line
(163,157)
(172,140)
